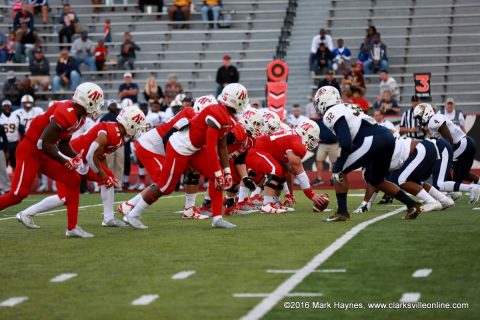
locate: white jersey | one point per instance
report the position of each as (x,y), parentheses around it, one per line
(27,116)
(11,124)
(436,122)
(181,142)
(294,122)
(401,153)
(152,141)
(352,114)
(387,124)
(152,120)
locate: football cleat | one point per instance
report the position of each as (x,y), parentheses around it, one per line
(474,194)
(414,211)
(114,223)
(281,206)
(220,223)
(270,208)
(141,187)
(447,203)
(134,222)
(386,199)
(235,210)
(454,195)
(78,232)
(337,217)
(247,206)
(27,221)
(206,208)
(125,207)
(256,200)
(42,188)
(193,213)
(432,206)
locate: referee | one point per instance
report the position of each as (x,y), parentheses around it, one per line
(409,126)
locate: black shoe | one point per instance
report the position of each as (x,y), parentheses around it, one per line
(414,211)
(386,199)
(338,217)
(317,182)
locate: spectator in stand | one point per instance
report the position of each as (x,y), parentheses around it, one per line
(255,104)
(214,6)
(26,41)
(116,160)
(40,6)
(387,104)
(40,70)
(388,83)
(330,80)
(3,49)
(364,51)
(157,3)
(226,74)
(328,147)
(295,118)
(359,100)
(409,126)
(456,116)
(68,74)
(324,59)
(172,88)
(23,17)
(107,31)
(377,57)
(11,90)
(341,56)
(153,92)
(379,117)
(322,37)
(127,52)
(82,50)
(26,88)
(180,11)
(9,46)
(353,79)
(101,55)
(371,32)
(16,7)
(128,89)
(68,19)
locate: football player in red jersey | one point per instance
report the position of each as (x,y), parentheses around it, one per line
(202,146)
(102,139)
(46,148)
(272,153)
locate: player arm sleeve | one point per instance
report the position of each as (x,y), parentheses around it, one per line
(94,154)
(297,168)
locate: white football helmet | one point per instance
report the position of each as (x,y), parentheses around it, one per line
(284,126)
(125,103)
(271,121)
(27,101)
(234,96)
(310,133)
(90,96)
(252,120)
(326,97)
(180,96)
(202,102)
(132,119)
(176,103)
(423,112)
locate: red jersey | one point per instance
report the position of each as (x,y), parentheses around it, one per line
(64,115)
(216,113)
(114,140)
(238,141)
(164,128)
(277,144)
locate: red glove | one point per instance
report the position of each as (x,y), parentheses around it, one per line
(228,183)
(289,200)
(75,162)
(319,199)
(110,181)
(219,180)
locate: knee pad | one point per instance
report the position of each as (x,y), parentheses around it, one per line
(191,178)
(279,182)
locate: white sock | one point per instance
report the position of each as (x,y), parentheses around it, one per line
(126,179)
(372,199)
(257,191)
(243,193)
(139,207)
(466,187)
(207,197)
(425,196)
(267,200)
(190,199)
(216,218)
(107,199)
(285,189)
(44,205)
(44,180)
(135,199)
(437,194)
(141,171)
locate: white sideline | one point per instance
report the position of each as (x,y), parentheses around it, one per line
(84,207)
(11,302)
(288,285)
(145,300)
(63,277)
(183,274)
(410,297)
(422,273)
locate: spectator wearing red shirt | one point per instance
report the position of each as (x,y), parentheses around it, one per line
(101,55)
(359,100)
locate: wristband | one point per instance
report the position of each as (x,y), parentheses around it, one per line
(303,180)
(227,170)
(309,193)
(218,174)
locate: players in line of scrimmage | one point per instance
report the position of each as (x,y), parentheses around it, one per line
(239,150)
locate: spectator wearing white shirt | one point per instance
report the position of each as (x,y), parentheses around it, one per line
(341,57)
(379,117)
(322,37)
(456,116)
(296,117)
(388,83)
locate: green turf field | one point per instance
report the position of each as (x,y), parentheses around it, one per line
(120,265)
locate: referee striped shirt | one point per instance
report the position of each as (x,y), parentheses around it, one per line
(409,122)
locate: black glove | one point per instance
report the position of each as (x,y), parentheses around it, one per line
(248,182)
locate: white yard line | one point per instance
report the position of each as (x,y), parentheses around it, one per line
(63,277)
(183,275)
(288,285)
(422,273)
(48,213)
(290,295)
(476,208)
(145,300)
(410,297)
(296,270)
(11,302)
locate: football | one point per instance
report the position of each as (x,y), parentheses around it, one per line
(317,208)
